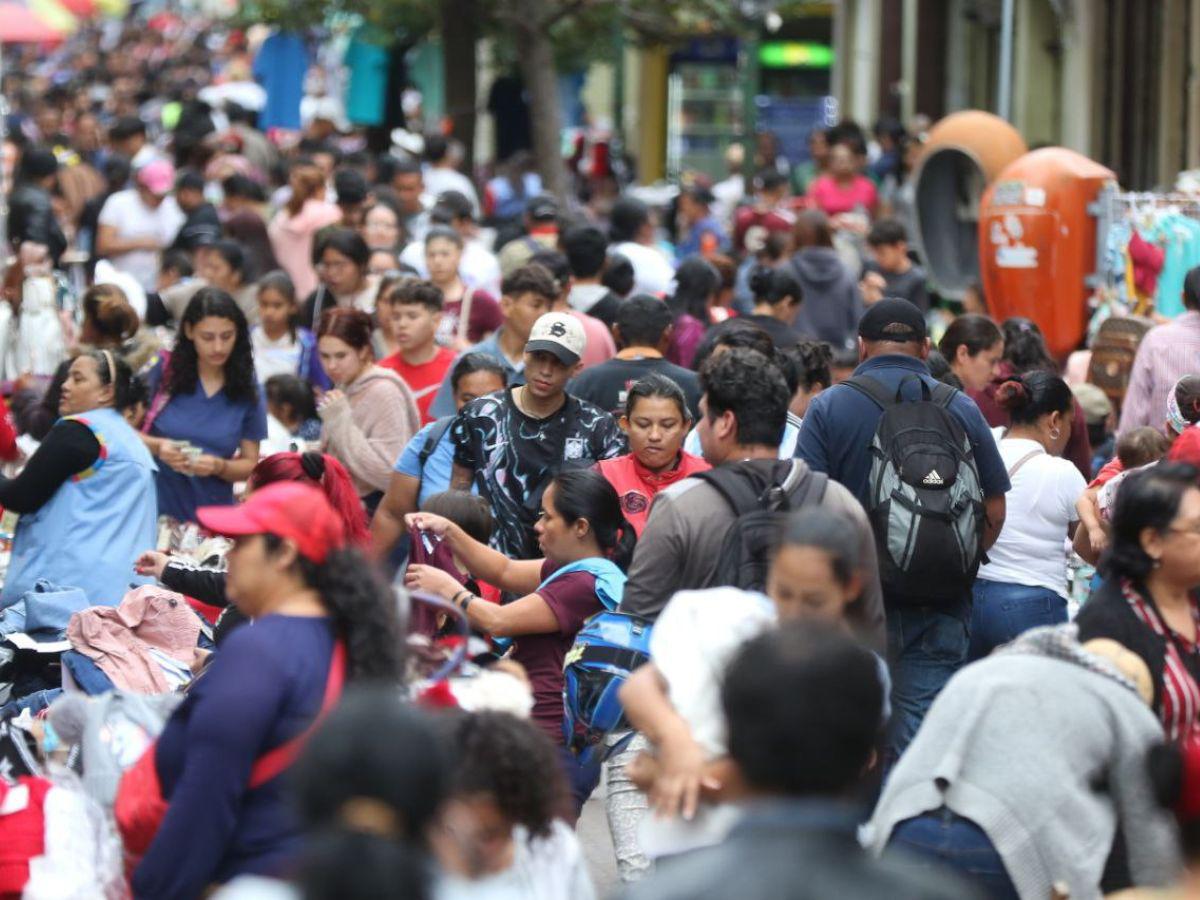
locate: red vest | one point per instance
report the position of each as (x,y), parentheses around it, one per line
(636,485)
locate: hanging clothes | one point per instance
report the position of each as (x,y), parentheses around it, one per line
(366,93)
(280,67)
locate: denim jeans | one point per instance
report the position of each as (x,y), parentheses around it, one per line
(944,839)
(1002,611)
(926,646)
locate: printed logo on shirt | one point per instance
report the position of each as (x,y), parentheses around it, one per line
(574,448)
(634,502)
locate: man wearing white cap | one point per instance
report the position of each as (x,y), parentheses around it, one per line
(138,222)
(510,444)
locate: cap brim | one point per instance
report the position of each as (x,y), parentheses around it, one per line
(565,356)
(228,521)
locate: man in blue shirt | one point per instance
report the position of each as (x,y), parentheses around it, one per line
(926,643)
(704,232)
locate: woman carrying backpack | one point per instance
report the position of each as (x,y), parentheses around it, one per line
(1024,582)
(587,543)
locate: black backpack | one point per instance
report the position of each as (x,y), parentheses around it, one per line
(760,508)
(924,498)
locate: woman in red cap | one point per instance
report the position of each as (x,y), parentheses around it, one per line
(319,618)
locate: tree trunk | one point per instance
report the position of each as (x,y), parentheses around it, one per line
(459,36)
(541,80)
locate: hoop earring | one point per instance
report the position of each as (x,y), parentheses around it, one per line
(1055,434)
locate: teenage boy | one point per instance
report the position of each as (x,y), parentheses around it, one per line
(416,313)
(643,332)
(510,444)
(900,277)
(525,295)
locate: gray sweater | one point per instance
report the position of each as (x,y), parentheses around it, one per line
(1018,743)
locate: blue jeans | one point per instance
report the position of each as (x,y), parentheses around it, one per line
(944,839)
(925,647)
(1002,611)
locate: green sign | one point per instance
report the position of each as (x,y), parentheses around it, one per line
(794,55)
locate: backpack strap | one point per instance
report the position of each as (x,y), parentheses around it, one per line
(733,487)
(812,490)
(943,395)
(872,390)
(275,762)
(433,438)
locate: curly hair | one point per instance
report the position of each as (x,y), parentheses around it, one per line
(510,759)
(183,371)
(750,386)
(362,608)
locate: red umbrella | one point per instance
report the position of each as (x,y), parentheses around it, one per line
(82,8)
(18,25)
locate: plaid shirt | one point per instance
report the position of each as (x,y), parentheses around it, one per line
(1166,354)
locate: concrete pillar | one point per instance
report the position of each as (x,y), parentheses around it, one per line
(862,100)
(1172,92)
(1082,49)
(1036,78)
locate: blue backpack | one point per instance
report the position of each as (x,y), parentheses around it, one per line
(607,649)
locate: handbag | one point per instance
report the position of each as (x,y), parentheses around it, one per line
(140,807)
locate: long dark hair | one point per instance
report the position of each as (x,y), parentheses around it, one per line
(1024,346)
(975,332)
(362,608)
(1148,498)
(696,281)
(586,494)
(184,369)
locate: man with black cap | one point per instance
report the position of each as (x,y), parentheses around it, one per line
(201,225)
(510,444)
(927,641)
(541,233)
(31,211)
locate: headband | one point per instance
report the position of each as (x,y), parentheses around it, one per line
(112,366)
(1175,419)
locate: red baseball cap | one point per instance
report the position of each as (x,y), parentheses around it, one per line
(286,509)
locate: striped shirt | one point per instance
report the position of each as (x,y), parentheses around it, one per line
(1165,355)
(1180,710)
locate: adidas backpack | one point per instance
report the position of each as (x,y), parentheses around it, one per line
(924,499)
(759,508)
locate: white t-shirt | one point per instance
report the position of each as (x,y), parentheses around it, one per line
(439,180)
(543,868)
(281,357)
(1039,508)
(652,271)
(132,219)
(478,267)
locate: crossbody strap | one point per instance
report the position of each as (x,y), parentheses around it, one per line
(274,762)
(1016,467)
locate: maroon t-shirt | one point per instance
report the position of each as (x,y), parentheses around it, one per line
(572,598)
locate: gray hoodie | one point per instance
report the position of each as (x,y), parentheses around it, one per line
(831,306)
(1043,746)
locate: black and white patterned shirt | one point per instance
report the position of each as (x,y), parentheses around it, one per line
(513,457)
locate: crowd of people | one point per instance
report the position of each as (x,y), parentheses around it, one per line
(366,530)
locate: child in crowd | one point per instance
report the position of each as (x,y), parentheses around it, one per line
(1141,446)
(890,264)
(291,412)
(281,346)
(416,310)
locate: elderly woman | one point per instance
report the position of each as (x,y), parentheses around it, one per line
(1146,601)
(86,497)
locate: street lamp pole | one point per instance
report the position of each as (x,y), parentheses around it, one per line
(1004,89)
(750,76)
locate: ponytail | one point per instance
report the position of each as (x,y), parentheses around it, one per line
(1028,397)
(326,473)
(586,494)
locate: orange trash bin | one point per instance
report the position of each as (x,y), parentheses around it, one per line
(1037,242)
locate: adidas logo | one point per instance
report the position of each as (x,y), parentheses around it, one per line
(933,479)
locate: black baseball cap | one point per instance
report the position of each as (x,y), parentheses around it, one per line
(892,319)
(542,208)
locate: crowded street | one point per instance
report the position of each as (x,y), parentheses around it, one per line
(566,449)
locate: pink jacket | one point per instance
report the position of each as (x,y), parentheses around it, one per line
(292,241)
(118,639)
